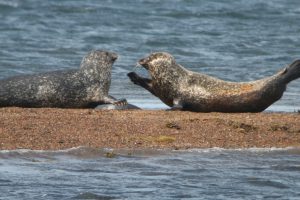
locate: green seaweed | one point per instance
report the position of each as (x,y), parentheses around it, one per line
(110,155)
(165,138)
(242,126)
(279,127)
(173,125)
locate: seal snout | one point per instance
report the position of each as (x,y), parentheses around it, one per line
(114,56)
(144,62)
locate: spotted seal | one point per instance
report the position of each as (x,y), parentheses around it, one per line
(182,89)
(86,87)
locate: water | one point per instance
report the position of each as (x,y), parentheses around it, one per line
(236,40)
(233,40)
(83,173)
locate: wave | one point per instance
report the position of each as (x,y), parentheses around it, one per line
(9,3)
(252,149)
(88,152)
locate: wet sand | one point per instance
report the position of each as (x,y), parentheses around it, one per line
(53,129)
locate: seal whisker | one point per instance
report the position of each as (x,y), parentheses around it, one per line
(137,65)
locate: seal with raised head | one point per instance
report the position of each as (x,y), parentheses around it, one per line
(182,89)
(86,87)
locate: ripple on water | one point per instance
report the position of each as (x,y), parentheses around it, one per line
(260,182)
(84,172)
(238,40)
(89,195)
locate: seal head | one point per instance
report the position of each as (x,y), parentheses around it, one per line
(165,76)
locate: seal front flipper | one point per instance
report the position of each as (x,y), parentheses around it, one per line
(111,103)
(143,82)
(114,101)
(291,72)
(116,107)
(177,105)
(121,102)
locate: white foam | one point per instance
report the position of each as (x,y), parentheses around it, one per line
(253,149)
(200,150)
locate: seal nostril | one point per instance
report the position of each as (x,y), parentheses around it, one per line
(142,61)
(114,56)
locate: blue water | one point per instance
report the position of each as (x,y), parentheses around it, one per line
(84,173)
(236,40)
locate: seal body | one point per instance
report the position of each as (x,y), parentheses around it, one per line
(86,87)
(182,89)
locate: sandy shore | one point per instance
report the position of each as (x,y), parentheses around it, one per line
(65,128)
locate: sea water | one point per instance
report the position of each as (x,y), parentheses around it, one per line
(235,40)
(85,173)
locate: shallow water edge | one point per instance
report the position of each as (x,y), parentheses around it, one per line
(92,173)
(82,152)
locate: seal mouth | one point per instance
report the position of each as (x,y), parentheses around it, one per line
(114,56)
(144,62)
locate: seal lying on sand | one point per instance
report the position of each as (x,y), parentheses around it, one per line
(83,88)
(180,88)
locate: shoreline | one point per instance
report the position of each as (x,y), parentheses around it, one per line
(59,129)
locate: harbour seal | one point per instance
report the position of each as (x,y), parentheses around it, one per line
(86,87)
(182,89)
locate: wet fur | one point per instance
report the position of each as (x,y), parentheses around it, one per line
(86,87)
(180,88)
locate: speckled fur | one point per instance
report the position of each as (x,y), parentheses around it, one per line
(82,88)
(175,85)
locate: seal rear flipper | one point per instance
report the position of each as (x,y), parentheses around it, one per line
(143,82)
(291,72)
